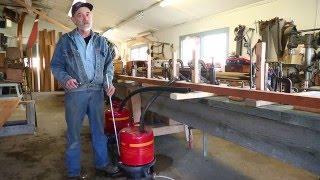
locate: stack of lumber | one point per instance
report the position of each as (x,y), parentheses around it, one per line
(47,42)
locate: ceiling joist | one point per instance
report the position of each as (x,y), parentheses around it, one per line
(41,14)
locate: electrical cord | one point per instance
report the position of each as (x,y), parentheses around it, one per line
(154,88)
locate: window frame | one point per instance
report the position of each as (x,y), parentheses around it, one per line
(138,47)
(201,35)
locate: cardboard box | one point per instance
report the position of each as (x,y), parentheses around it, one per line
(14,75)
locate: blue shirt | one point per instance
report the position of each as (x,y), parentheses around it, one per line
(87,54)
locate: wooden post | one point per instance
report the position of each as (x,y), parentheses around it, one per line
(135,105)
(261,68)
(195,71)
(174,65)
(149,68)
(260,75)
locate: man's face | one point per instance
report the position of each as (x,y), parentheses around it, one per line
(83,19)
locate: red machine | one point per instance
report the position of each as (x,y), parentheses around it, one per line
(136,148)
(136,142)
(122,119)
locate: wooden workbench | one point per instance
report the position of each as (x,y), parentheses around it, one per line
(276,130)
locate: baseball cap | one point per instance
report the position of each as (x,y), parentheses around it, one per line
(78,5)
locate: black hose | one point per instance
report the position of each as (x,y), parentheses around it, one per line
(154,88)
(154,97)
(159,90)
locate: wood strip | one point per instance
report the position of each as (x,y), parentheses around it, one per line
(191,95)
(51,51)
(159,131)
(260,63)
(46,43)
(7,107)
(279,97)
(41,59)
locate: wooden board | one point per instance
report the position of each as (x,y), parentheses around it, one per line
(311,94)
(279,97)
(255,103)
(191,95)
(7,107)
(159,131)
(41,54)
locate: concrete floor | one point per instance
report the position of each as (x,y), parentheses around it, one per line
(41,156)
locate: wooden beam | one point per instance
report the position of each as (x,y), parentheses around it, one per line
(42,15)
(159,131)
(191,95)
(19,33)
(283,98)
(261,62)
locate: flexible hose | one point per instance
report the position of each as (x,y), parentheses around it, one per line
(157,94)
(154,88)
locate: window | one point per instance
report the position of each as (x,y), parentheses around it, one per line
(208,46)
(139,53)
(188,45)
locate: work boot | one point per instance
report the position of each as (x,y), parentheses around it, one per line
(109,170)
(83,175)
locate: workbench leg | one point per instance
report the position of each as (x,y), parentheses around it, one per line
(205,144)
(135,103)
(189,136)
(31,113)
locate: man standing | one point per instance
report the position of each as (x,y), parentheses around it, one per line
(82,61)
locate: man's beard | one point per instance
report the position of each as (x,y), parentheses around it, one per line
(85,26)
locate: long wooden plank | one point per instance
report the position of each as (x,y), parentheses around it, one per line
(191,95)
(51,51)
(7,107)
(283,98)
(42,15)
(159,131)
(41,59)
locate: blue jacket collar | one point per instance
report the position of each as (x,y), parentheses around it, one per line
(72,34)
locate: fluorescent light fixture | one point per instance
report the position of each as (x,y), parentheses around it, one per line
(165,3)
(75,1)
(108,32)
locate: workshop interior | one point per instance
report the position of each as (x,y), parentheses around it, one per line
(206,89)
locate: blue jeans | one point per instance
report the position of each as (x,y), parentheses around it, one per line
(77,105)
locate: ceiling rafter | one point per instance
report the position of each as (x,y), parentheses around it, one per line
(42,15)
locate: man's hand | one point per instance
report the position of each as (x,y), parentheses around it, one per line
(110,91)
(71,84)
